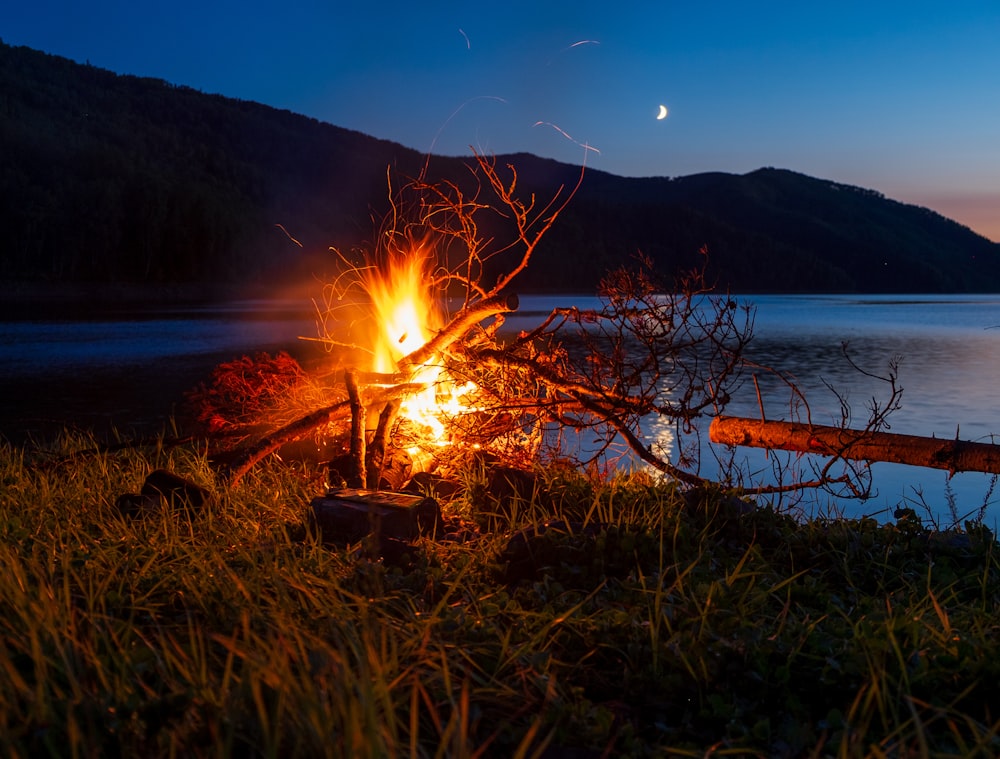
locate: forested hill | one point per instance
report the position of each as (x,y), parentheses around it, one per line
(119,179)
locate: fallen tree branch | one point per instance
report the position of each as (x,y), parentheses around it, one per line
(237,463)
(951,455)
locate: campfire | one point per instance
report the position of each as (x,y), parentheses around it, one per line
(424,367)
(425,377)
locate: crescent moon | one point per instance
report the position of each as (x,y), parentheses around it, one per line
(662,114)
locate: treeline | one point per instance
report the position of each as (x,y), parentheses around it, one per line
(118,179)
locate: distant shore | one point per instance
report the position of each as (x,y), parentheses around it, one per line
(85,299)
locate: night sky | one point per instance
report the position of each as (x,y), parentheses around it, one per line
(900,97)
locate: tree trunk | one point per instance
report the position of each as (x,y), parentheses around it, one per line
(952,455)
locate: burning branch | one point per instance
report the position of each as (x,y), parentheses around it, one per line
(358,477)
(459,327)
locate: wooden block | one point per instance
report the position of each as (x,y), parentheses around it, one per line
(350,514)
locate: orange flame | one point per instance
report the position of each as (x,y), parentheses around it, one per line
(406,315)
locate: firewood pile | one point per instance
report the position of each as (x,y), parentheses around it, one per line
(671,349)
(423,371)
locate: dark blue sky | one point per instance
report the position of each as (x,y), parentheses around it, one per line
(900,97)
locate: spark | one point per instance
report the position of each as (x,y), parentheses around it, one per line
(575,44)
(279,226)
(455,113)
(468,44)
(565,134)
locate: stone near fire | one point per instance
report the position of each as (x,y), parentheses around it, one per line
(433,484)
(178,492)
(508,492)
(163,490)
(507,485)
(395,470)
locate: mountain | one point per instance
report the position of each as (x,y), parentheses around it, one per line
(119,179)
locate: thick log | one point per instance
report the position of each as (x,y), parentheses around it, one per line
(952,455)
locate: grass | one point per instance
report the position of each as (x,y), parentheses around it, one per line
(617,618)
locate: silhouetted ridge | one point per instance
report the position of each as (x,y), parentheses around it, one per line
(117,179)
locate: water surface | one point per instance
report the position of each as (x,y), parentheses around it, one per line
(130,371)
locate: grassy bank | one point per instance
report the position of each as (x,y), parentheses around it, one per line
(639,622)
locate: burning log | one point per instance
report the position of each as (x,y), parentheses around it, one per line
(952,455)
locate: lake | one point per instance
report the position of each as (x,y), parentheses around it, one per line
(948,351)
(129,371)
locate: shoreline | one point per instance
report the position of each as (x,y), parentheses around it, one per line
(42,300)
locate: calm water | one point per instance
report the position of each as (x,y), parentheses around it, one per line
(130,371)
(948,350)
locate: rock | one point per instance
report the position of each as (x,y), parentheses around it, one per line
(396,468)
(507,484)
(508,492)
(135,506)
(434,485)
(343,472)
(176,491)
(162,490)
